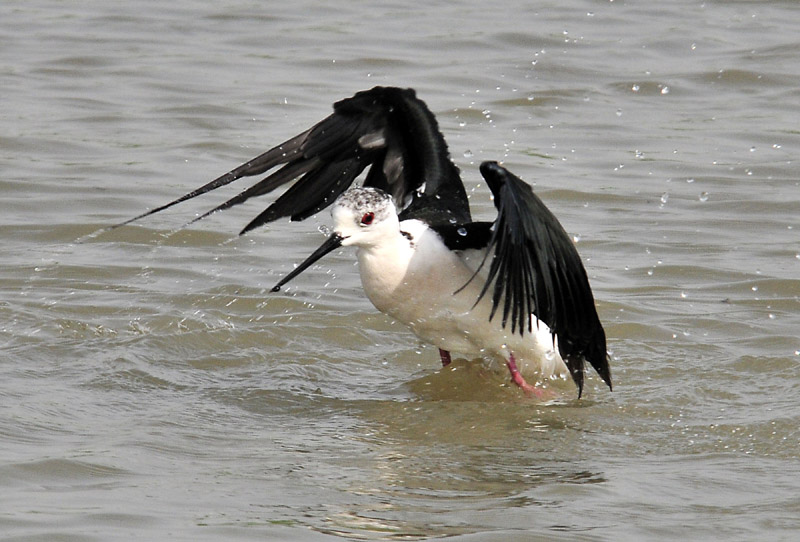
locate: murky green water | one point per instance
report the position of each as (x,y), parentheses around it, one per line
(152,388)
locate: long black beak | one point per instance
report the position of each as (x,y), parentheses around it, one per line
(333,242)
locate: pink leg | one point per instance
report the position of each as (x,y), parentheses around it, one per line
(445,355)
(520,381)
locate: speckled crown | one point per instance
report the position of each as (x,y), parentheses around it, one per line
(367,199)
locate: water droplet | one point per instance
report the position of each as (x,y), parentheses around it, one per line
(664,198)
(635,88)
(619,112)
(752,149)
(684,295)
(665,89)
(754,288)
(690,181)
(462,231)
(468,153)
(576,237)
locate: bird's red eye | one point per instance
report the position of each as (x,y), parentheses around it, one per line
(367,219)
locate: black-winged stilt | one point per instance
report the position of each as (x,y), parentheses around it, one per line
(514,289)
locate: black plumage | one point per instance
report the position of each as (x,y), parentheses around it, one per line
(533,267)
(385,128)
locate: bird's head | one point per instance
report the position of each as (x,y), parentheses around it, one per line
(362,217)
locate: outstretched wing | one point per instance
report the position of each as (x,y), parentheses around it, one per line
(535,269)
(385,128)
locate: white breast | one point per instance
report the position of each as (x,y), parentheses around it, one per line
(416,282)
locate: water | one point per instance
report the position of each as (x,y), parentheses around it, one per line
(152,388)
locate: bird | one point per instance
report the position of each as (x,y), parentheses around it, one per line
(513,289)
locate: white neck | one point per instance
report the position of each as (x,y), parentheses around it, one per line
(384,269)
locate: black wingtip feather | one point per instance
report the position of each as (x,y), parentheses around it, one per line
(385,128)
(536,266)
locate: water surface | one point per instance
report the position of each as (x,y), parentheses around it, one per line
(153,388)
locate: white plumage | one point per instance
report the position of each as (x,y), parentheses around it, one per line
(513,289)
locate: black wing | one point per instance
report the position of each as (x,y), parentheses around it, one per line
(535,269)
(386,128)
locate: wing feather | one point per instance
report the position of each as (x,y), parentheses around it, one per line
(535,269)
(386,129)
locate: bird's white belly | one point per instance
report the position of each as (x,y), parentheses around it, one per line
(420,290)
